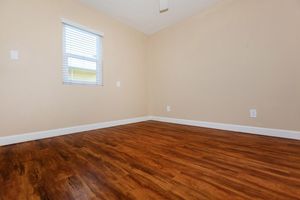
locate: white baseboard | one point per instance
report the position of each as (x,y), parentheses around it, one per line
(14,139)
(7,140)
(231,127)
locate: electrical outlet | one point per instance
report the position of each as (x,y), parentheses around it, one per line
(253,113)
(118,83)
(168,108)
(14,55)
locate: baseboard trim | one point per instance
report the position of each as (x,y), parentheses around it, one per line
(14,139)
(232,127)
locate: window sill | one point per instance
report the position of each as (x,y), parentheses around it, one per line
(83,84)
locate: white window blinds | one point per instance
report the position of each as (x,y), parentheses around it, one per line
(82,56)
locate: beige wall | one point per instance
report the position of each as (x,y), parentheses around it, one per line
(32,95)
(240,55)
(214,66)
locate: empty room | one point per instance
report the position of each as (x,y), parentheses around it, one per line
(149,99)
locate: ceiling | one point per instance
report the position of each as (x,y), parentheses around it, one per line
(144,15)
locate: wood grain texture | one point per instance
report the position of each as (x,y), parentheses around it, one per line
(152,160)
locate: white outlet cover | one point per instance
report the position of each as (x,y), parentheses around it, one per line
(168,108)
(253,113)
(118,83)
(14,55)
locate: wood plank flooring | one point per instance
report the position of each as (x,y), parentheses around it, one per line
(152,160)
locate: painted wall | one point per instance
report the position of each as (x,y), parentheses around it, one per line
(217,65)
(32,96)
(214,66)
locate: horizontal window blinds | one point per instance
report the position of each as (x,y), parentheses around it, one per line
(82,56)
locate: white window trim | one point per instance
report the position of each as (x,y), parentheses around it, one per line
(99,69)
(71,23)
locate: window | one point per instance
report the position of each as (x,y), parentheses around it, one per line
(82,56)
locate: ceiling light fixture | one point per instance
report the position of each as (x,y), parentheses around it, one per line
(164,6)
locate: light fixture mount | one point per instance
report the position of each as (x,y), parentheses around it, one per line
(164,6)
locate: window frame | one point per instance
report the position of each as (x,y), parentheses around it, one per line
(98,60)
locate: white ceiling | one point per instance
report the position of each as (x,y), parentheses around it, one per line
(144,15)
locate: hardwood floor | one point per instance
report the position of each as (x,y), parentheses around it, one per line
(152,160)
